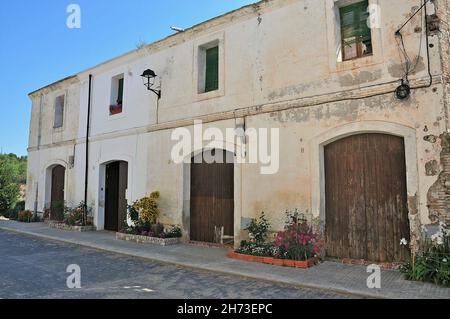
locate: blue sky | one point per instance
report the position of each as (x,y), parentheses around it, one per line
(39,49)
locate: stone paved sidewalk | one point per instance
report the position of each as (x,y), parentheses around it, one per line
(330,276)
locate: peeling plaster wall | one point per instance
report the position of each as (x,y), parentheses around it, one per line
(439,193)
(268,58)
(291,187)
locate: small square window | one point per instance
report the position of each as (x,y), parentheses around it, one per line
(59,112)
(117,89)
(356,37)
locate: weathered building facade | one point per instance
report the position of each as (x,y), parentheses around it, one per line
(367,167)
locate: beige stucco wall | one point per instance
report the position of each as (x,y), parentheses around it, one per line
(49,146)
(279,69)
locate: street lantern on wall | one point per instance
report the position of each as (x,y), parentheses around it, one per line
(149,77)
(403,91)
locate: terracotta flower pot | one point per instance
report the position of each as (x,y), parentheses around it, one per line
(289,263)
(249,258)
(274,261)
(302,264)
(278,262)
(253,258)
(241,257)
(231,254)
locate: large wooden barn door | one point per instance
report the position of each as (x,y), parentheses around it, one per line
(366,198)
(115,195)
(212,200)
(57,192)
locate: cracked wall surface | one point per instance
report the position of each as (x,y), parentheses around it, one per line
(439,193)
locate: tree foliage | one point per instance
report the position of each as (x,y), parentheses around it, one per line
(13,173)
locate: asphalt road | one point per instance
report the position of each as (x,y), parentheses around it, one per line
(36,268)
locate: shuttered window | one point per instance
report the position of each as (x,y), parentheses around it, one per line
(212,69)
(120,92)
(117,91)
(59,112)
(355,32)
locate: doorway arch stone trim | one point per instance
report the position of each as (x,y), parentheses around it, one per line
(317,146)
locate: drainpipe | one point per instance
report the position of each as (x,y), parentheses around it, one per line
(39,138)
(86,171)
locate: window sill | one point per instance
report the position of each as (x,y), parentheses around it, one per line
(116,111)
(356,63)
(210,95)
(118,116)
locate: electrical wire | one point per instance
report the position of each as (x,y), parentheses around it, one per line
(411,17)
(406,61)
(409,67)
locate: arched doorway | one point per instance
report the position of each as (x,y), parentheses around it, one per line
(58,174)
(116,185)
(366,198)
(212,197)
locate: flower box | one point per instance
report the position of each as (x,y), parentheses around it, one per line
(278,262)
(274,261)
(148,240)
(115,109)
(62,226)
(289,263)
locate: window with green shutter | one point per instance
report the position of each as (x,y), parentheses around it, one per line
(117,91)
(355,32)
(212,69)
(120,92)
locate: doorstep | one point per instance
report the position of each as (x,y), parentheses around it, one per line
(328,276)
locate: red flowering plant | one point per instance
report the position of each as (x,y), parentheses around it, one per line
(299,241)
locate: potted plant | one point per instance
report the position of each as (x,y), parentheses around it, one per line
(298,243)
(115,109)
(297,246)
(144,227)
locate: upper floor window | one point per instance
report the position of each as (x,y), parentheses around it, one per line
(212,69)
(59,112)
(356,38)
(209,67)
(117,86)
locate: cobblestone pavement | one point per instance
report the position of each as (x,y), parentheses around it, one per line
(36,268)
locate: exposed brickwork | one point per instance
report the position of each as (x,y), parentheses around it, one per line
(443,14)
(439,193)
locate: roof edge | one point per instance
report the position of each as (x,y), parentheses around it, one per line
(48,86)
(154,44)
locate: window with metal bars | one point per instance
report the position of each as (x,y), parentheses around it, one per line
(355,32)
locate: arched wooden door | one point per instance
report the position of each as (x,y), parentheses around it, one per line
(366,198)
(212,199)
(57,192)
